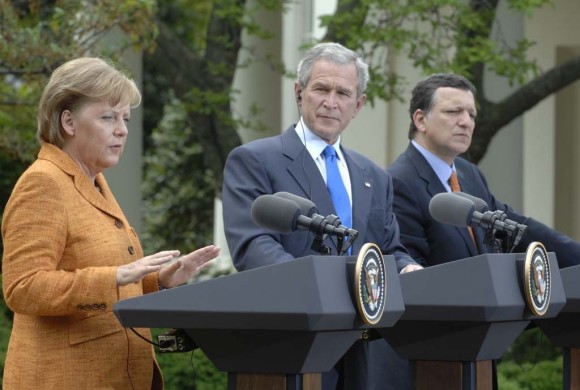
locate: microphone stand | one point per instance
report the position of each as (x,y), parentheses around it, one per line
(344,237)
(493,237)
(336,222)
(318,222)
(502,241)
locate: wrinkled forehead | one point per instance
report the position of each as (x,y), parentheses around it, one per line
(329,73)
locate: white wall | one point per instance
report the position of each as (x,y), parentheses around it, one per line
(553,28)
(503,163)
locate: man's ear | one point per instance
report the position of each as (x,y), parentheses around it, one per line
(67,122)
(298,92)
(419,120)
(359,104)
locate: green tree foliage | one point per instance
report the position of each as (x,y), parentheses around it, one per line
(195,62)
(175,191)
(37,36)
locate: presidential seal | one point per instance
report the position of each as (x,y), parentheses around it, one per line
(370,284)
(537,279)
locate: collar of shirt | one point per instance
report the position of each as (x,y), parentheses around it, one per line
(315,145)
(442,170)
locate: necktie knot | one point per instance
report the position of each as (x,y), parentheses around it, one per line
(329,152)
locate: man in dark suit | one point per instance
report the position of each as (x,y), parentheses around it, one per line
(443,113)
(329,90)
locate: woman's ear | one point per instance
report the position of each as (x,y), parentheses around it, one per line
(67,122)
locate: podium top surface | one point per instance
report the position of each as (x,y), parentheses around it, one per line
(570,277)
(484,288)
(311,293)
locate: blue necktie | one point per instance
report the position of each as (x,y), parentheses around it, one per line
(336,187)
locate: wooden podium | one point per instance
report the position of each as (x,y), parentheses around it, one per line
(459,316)
(275,327)
(564,330)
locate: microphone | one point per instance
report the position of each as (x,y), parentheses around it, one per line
(457,210)
(451,209)
(307,206)
(275,213)
(285,216)
(480,204)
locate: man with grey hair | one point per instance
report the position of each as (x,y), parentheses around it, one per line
(330,91)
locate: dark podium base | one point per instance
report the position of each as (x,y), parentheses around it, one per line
(448,375)
(462,315)
(571,369)
(239,381)
(563,330)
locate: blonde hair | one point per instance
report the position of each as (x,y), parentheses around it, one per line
(75,83)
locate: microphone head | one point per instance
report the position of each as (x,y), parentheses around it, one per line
(481,205)
(307,207)
(275,213)
(451,209)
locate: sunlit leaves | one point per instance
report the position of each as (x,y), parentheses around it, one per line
(436,35)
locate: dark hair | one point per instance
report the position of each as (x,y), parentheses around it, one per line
(423,95)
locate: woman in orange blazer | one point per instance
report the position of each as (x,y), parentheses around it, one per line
(70,253)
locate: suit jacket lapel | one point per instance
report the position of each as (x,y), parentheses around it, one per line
(463,177)
(104,201)
(304,170)
(426,173)
(434,186)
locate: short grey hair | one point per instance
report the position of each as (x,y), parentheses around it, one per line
(337,54)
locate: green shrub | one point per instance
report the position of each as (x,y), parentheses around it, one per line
(544,375)
(189,370)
